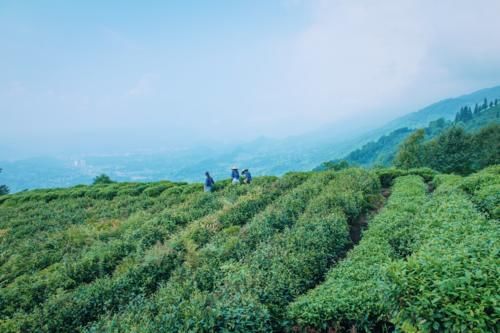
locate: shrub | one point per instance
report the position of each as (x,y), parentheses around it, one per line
(353,291)
(451,283)
(102,179)
(4,189)
(154,191)
(282,267)
(424,265)
(487,199)
(388,175)
(109,294)
(202,269)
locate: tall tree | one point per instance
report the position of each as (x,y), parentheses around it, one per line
(411,153)
(485,104)
(450,152)
(102,179)
(486,147)
(4,189)
(464,115)
(467,114)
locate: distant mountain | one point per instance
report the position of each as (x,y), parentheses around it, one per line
(446,109)
(263,156)
(382,151)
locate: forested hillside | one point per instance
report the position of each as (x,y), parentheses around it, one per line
(383,151)
(281,254)
(445,109)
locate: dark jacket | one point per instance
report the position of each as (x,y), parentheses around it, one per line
(235,174)
(248,176)
(209,181)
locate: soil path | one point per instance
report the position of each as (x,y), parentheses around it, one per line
(357,225)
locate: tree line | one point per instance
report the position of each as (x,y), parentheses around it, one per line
(465,114)
(452,151)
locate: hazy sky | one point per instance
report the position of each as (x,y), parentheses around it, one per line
(146,73)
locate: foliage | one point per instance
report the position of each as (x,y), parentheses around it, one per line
(388,175)
(425,265)
(485,147)
(275,263)
(353,291)
(102,179)
(449,152)
(465,114)
(453,151)
(384,151)
(483,188)
(333,165)
(411,151)
(269,256)
(380,152)
(4,189)
(451,283)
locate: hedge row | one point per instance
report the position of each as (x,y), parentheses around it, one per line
(133,235)
(352,294)
(451,283)
(86,303)
(138,272)
(484,188)
(434,270)
(249,295)
(203,269)
(388,175)
(39,235)
(293,261)
(100,191)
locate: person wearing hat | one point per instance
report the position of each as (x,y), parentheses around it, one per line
(209,183)
(247,176)
(235,175)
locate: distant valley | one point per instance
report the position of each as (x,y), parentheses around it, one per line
(264,156)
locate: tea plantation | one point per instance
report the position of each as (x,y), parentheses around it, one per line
(279,255)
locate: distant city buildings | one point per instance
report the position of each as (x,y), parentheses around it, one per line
(79,164)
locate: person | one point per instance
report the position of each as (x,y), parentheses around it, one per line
(235,175)
(209,183)
(247,175)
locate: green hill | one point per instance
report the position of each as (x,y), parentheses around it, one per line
(383,151)
(445,109)
(281,254)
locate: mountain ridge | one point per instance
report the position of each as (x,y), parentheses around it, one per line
(264,156)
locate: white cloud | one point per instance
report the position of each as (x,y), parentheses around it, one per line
(367,56)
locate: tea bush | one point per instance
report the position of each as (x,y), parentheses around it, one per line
(388,175)
(142,277)
(284,265)
(274,255)
(352,294)
(451,283)
(433,269)
(100,258)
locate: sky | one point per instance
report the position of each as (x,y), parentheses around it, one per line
(123,75)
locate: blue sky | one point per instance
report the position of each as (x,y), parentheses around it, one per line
(176,73)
